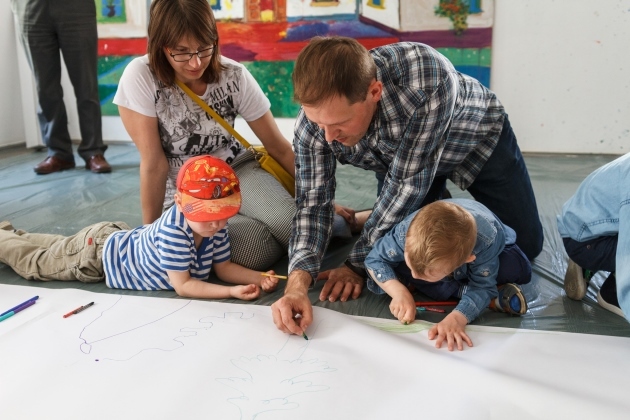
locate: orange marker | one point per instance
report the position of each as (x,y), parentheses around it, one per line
(79,309)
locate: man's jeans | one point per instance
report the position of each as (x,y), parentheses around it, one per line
(503,185)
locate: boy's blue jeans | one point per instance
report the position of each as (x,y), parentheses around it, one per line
(514,267)
(596,254)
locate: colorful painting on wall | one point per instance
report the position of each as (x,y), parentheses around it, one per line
(267,35)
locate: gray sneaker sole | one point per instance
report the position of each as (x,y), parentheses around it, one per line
(574,284)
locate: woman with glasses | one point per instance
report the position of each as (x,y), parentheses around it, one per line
(168,127)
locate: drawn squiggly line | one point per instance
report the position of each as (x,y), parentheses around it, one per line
(86,346)
(269,382)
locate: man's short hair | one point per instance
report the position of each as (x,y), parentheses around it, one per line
(170,21)
(441,234)
(332,66)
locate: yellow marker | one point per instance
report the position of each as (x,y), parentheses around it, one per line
(274,275)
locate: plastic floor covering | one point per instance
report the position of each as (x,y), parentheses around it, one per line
(65,202)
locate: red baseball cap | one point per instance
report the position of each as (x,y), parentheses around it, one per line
(209,188)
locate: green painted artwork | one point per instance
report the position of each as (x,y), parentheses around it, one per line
(110,68)
(274,77)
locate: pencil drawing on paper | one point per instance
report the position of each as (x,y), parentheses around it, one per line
(263,380)
(140,335)
(275,381)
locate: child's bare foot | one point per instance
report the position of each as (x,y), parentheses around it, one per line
(359,221)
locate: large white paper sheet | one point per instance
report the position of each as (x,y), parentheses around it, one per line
(138,357)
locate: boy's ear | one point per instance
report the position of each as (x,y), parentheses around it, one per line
(178,200)
(471,259)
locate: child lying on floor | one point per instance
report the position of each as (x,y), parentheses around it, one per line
(176,252)
(454,248)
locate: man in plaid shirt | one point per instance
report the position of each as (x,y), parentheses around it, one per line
(404,112)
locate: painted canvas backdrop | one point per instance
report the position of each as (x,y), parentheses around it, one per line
(140,357)
(266,36)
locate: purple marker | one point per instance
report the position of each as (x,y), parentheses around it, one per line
(34,298)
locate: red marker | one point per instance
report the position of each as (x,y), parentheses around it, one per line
(79,309)
(446,303)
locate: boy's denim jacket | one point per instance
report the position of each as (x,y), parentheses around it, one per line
(492,237)
(601,207)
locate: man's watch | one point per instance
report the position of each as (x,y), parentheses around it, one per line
(357,270)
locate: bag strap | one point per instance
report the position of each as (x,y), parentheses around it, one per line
(213,114)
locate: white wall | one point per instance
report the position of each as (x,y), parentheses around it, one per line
(11,126)
(561,68)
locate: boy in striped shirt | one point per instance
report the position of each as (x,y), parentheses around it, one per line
(176,252)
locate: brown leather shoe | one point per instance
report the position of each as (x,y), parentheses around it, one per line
(52,164)
(98,164)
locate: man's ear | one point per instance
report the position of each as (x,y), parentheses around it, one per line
(375,91)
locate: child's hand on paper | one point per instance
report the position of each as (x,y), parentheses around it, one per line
(245,292)
(269,284)
(452,329)
(402,306)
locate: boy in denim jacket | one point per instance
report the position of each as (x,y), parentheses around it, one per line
(453,248)
(595,229)
(176,252)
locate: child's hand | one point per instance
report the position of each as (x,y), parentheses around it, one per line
(403,305)
(269,284)
(246,292)
(451,329)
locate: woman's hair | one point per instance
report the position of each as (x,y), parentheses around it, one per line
(332,66)
(170,21)
(441,234)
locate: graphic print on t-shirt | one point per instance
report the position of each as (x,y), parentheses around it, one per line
(187,130)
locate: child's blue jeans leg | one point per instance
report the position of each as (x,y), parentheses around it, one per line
(595,254)
(514,266)
(441,290)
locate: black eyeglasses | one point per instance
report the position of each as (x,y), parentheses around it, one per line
(183,57)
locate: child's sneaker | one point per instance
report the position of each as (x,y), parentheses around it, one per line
(576,281)
(607,295)
(510,300)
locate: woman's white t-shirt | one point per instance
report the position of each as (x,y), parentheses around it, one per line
(185,129)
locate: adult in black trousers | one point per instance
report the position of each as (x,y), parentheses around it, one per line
(47,26)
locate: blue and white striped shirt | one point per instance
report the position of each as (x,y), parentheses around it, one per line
(431,120)
(137,259)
